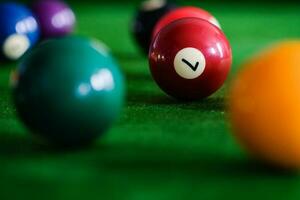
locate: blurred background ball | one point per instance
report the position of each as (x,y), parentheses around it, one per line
(184,12)
(145,19)
(19,30)
(55,18)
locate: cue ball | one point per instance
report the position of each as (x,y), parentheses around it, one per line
(190,59)
(184,12)
(19,30)
(145,19)
(55,18)
(264,107)
(68,90)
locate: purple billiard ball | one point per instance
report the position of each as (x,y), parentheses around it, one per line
(55,18)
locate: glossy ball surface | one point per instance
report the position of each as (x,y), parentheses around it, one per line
(55,18)
(68,90)
(190,59)
(145,19)
(264,105)
(184,12)
(18,30)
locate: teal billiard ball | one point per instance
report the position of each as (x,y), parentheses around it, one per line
(68,90)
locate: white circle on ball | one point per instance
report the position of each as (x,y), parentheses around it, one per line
(15,46)
(189,63)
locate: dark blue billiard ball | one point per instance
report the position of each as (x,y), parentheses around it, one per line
(19,30)
(149,13)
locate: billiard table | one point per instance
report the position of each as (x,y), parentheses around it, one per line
(160,148)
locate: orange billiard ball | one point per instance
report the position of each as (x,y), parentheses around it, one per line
(264,105)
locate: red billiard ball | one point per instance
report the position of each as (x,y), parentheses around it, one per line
(184,12)
(190,59)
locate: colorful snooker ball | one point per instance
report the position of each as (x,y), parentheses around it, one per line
(190,59)
(68,90)
(55,18)
(264,105)
(146,18)
(184,12)
(18,30)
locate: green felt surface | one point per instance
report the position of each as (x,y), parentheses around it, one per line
(159,149)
